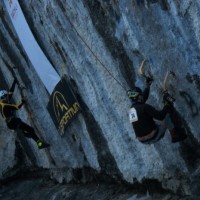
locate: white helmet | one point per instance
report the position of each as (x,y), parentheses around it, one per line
(3,93)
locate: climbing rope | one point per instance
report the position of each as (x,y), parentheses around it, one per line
(103,65)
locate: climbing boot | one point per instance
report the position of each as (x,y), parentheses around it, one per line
(177,135)
(42,145)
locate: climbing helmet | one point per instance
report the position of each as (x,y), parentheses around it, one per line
(3,94)
(134,94)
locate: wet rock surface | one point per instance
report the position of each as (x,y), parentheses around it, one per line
(99,46)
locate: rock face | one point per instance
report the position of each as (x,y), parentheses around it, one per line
(99,46)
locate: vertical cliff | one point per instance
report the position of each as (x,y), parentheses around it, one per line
(99,46)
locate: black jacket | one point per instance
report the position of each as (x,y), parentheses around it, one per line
(8,109)
(146,113)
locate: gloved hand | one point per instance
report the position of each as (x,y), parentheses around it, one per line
(148,81)
(168,99)
(15,80)
(23,101)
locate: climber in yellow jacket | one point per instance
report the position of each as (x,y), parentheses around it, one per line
(8,113)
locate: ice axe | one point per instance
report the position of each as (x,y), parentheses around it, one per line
(141,71)
(167,96)
(164,85)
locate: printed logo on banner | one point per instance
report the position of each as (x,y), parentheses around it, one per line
(14,8)
(63,106)
(14,11)
(10,2)
(60,105)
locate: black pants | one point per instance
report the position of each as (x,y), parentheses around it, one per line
(16,123)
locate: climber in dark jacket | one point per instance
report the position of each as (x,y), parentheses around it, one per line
(8,113)
(148,123)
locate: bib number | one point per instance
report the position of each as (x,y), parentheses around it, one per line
(133,115)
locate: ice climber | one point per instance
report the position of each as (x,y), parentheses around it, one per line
(8,113)
(148,123)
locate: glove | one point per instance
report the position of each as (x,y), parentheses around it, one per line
(168,99)
(15,81)
(148,81)
(23,101)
